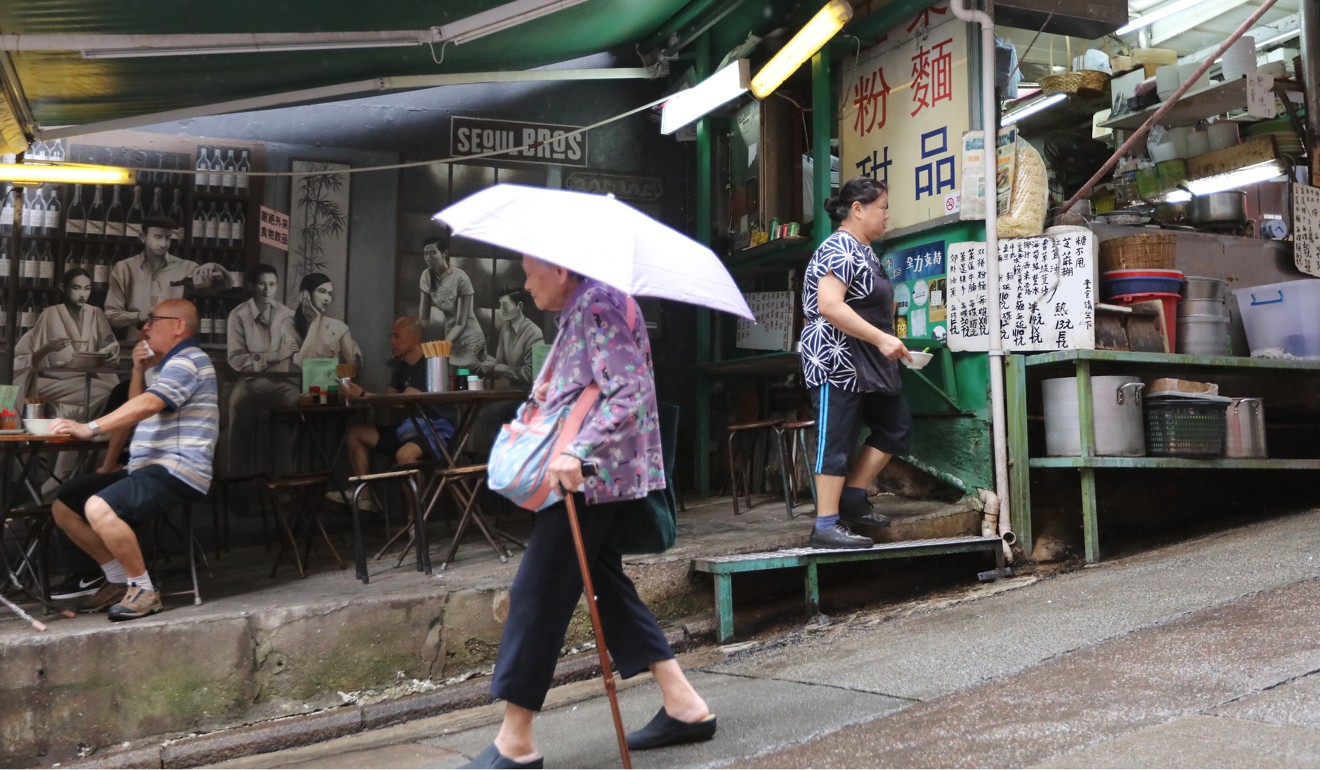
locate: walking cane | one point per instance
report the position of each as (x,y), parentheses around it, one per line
(595,623)
(37,624)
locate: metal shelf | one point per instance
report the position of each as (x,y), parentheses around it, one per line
(1193,106)
(1222,463)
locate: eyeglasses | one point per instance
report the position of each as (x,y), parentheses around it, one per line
(153,318)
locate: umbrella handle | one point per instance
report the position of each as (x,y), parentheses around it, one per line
(606,673)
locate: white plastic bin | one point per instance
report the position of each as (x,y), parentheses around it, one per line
(1282,320)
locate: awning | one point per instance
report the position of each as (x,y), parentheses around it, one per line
(61,86)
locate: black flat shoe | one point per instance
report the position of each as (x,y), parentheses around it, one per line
(838,536)
(664,730)
(491,757)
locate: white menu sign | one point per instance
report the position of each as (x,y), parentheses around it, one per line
(1306,228)
(1047,293)
(773,327)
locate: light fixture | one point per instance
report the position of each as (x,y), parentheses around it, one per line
(1279,38)
(719,89)
(500,18)
(64,173)
(1014,116)
(1258,172)
(141,46)
(1147,19)
(810,39)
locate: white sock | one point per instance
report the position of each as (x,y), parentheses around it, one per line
(143,581)
(114,572)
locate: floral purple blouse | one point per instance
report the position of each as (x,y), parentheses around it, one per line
(622,435)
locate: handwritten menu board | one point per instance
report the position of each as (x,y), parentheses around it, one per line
(773,328)
(1306,228)
(1046,298)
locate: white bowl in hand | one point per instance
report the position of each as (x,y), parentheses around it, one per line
(37,427)
(919,360)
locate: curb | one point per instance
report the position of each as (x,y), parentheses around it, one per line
(307,729)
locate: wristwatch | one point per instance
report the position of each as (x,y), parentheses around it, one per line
(94,428)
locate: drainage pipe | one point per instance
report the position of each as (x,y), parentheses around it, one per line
(989,129)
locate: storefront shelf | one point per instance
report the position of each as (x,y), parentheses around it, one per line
(1188,463)
(1082,364)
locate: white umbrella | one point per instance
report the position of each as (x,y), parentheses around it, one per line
(599,237)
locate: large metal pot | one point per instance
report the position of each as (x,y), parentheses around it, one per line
(1245,435)
(1118,418)
(1226,210)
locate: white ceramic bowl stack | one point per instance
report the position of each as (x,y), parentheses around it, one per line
(1239,60)
(1222,134)
(1167,80)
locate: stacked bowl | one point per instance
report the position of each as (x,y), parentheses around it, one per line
(1203,318)
(1134,286)
(1240,59)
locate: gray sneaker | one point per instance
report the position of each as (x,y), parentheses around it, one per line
(838,536)
(138,603)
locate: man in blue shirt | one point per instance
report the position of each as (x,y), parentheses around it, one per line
(177,420)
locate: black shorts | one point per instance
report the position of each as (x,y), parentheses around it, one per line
(840,415)
(135,497)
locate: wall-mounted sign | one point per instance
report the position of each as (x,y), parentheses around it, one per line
(920,292)
(773,327)
(1306,228)
(547,143)
(626,187)
(1047,294)
(904,111)
(274,228)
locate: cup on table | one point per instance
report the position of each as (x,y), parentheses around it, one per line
(344,382)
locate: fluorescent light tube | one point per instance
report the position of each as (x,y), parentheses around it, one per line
(715,91)
(1145,20)
(1242,177)
(1031,109)
(64,173)
(500,18)
(1278,38)
(811,38)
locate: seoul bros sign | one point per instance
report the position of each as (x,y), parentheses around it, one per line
(544,143)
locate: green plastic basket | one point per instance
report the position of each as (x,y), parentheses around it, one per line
(1185,427)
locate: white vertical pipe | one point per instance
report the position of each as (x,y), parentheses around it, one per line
(989,129)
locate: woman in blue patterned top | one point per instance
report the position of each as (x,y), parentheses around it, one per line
(849,361)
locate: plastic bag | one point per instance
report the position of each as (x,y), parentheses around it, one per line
(1030,198)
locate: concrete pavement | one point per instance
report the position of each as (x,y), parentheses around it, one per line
(1205,653)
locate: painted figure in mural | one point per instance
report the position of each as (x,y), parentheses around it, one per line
(517,336)
(448,300)
(140,282)
(73,326)
(850,364)
(322,336)
(262,341)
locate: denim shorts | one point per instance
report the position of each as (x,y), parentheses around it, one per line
(135,497)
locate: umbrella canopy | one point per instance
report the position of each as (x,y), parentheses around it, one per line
(599,237)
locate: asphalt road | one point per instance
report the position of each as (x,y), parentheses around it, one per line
(1201,654)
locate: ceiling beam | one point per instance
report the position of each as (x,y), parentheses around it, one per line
(343,91)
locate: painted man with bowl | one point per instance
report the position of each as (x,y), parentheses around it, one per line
(177,420)
(849,363)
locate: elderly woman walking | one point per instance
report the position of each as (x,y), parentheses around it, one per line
(621,437)
(849,354)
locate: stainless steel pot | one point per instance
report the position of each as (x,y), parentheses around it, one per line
(1200,287)
(1245,435)
(1118,417)
(1227,209)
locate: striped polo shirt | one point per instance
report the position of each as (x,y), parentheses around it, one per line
(182,436)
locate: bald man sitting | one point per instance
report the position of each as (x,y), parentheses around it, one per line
(177,418)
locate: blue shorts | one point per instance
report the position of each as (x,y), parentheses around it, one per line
(840,415)
(135,497)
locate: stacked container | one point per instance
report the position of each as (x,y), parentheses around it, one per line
(1203,317)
